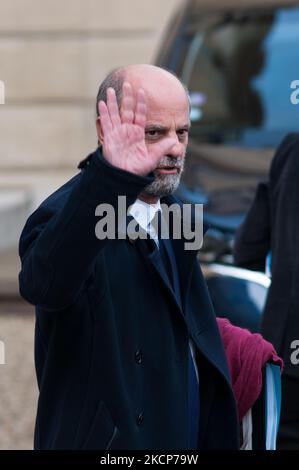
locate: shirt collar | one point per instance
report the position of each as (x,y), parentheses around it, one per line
(143,212)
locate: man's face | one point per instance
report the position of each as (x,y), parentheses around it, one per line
(167,116)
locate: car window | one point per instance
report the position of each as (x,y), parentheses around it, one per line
(239,72)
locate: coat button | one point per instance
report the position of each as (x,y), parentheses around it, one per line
(138,356)
(139,419)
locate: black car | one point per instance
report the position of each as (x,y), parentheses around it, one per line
(239,60)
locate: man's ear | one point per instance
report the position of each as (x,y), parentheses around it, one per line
(99,131)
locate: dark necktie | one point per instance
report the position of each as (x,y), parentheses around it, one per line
(171,271)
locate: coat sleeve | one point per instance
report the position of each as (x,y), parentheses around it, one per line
(252,242)
(253,239)
(58,244)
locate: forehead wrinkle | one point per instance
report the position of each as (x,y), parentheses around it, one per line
(157,125)
(162,103)
(156,112)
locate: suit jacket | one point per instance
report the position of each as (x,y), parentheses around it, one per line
(272,224)
(111,341)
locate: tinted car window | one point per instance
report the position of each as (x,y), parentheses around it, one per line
(239,71)
(238,65)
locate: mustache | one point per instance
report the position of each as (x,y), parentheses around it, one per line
(172,162)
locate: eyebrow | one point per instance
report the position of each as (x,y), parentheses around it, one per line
(158,127)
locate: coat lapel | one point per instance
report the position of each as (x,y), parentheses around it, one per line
(149,250)
(204,331)
(155,259)
(185,259)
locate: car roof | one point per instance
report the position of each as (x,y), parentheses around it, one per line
(215,5)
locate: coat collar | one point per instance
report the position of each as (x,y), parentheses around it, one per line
(185,258)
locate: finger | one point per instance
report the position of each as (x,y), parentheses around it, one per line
(105,118)
(113,107)
(140,112)
(127,105)
(163,148)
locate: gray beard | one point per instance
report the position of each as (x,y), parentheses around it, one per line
(164,185)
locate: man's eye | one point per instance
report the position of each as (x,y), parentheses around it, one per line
(152,133)
(182,131)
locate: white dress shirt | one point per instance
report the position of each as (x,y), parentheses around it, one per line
(144,213)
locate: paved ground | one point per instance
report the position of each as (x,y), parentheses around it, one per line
(9,270)
(18,390)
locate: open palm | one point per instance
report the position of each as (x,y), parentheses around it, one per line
(124,133)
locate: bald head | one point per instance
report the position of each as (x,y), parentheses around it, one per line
(151,78)
(147,76)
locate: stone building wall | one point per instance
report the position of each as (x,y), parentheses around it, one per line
(53,55)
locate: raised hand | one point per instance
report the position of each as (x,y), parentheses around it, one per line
(124,133)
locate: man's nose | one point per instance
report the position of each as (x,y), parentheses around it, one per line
(177,150)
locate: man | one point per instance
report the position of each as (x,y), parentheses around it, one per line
(126,337)
(270,231)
